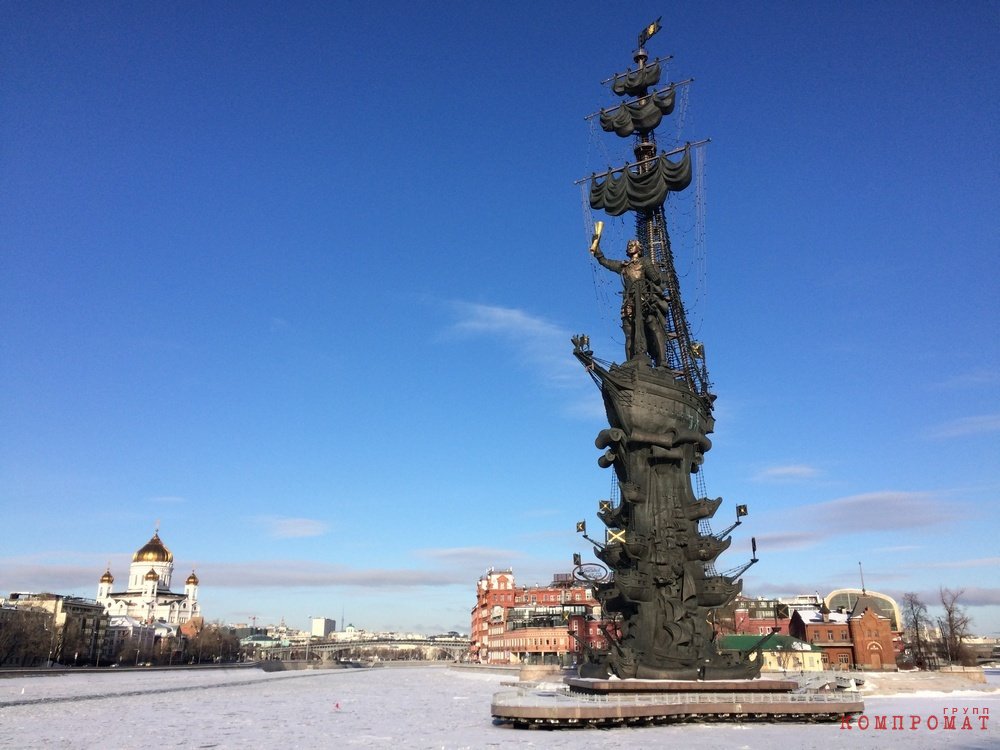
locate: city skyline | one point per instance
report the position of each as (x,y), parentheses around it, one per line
(298,286)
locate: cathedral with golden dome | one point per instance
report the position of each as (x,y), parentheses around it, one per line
(148,597)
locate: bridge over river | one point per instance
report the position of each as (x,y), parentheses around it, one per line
(455,648)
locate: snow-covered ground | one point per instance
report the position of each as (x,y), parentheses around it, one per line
(424,707)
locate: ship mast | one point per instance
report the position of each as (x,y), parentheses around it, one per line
(658,548)
(682,356)
(639,117)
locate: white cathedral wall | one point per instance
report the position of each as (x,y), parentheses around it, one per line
(137,574)
(145,596)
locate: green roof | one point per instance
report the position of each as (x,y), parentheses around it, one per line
(774,643)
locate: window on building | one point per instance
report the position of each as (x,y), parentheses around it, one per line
(844,659)
(829,635)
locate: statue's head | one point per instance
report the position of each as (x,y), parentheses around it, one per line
(633,249)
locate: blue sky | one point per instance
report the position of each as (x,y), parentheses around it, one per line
(299,282)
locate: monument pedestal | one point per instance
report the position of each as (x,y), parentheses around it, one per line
(582,702)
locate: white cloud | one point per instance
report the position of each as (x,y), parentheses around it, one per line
(972,378)
(898,548)
(992,562)
(787,540)
(879,511)
(980,597)
(787,472)
(167,500)
(810,525)
(301,573)
(293,528)
(966,426)
(477,557)
(538,341)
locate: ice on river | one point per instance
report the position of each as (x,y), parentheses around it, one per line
(418,707)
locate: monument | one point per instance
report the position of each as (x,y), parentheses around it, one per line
(658,545)
(657,582)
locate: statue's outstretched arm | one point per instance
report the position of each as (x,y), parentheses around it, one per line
(611,265)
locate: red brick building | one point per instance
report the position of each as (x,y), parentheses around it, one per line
(753,617)
(873,638)
(861,639)
(517,625)
(830,632)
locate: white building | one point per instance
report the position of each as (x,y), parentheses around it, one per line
(322,627)
(148,597)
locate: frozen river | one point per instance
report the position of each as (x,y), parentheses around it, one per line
(421,707)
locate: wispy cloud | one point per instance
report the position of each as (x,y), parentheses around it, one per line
(167,500)
(464,557)
(785,588)
(966,426)
(300,573)
(970,379)
(992,562)
(788,540)
(787,472)
(281,527)
(980,597)
(877,511)
(897,548)
(588,408)
(25,575)
(970,596)
(457,566)
(819,523)
(540,342)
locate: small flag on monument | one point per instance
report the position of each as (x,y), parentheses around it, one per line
(649,31)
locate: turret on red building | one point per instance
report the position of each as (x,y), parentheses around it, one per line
(551,624)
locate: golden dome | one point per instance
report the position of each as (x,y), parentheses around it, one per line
(151,575)
(107,577)
(153,551)
(192,580)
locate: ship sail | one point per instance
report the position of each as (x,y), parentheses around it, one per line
(628,190)
(643,188)
(642,115)
(635,82)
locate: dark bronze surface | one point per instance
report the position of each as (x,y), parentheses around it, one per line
(658,547)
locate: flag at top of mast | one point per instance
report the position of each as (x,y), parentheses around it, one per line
(647,32)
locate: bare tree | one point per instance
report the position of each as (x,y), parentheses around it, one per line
(73,643)
(724,618)
(915,621)
(131,650)
(24,638)
(954,625)
(213,643)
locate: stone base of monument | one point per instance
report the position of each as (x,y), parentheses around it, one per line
(582,702)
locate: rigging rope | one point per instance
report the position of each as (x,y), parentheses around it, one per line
(700,250)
